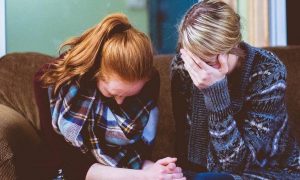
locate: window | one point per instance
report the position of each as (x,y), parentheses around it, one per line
(263,21)
(2,28)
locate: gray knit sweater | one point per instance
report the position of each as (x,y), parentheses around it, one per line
(241,123)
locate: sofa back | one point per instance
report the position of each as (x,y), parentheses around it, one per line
(17,70)
(16,86)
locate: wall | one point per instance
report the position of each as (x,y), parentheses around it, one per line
(42,25)
(293,28)
(2,28)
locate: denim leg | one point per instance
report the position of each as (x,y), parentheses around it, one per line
(212,176)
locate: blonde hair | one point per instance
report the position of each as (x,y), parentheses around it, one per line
(112,47)
(210,27)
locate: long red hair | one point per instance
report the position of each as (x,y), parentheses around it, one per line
(113,45)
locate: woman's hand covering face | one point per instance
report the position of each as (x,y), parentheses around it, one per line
(205,74)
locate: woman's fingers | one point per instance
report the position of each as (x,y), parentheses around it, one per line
(189,59)
(171,166)
(203,65)
(173,172)
(177,175)
(201,73)
(193,69)
(183,178)
(166,161)
(177,170)
(223,60)
(197,75)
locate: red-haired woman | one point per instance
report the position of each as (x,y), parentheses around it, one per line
(97,104)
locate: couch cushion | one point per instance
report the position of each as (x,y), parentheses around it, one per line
(16,89)
(7,168)
(17,139)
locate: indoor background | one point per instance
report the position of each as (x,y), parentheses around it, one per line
(41,26)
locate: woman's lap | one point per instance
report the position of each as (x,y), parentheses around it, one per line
(190,175)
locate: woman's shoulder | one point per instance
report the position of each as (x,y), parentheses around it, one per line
(177,63)
(178,71)
(269,57)
(268,63)
(263,58)
(261,64)
(43,69)
(267,70)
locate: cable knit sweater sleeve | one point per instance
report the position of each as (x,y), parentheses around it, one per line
(252,138)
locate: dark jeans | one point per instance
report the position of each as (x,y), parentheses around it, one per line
(212,176)
(192,175)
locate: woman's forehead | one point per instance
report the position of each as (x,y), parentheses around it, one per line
(124,88)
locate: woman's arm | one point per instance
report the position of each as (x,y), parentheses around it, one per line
(152,171)
(253,137)
(60,155)
(98,171)
(265,121)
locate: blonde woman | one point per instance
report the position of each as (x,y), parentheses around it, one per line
(228,101)
(97,106)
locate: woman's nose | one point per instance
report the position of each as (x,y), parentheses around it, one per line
(119,100)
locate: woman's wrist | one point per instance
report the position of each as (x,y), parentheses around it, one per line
(217,96)
(98,171)
(145,174)
(147,164)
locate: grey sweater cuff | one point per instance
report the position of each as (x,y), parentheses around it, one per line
(216,96)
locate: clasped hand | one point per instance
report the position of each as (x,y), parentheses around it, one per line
(164,169)
(202,74)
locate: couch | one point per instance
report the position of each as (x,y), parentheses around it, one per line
(22,150)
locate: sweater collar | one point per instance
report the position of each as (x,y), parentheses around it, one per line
(245,75)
